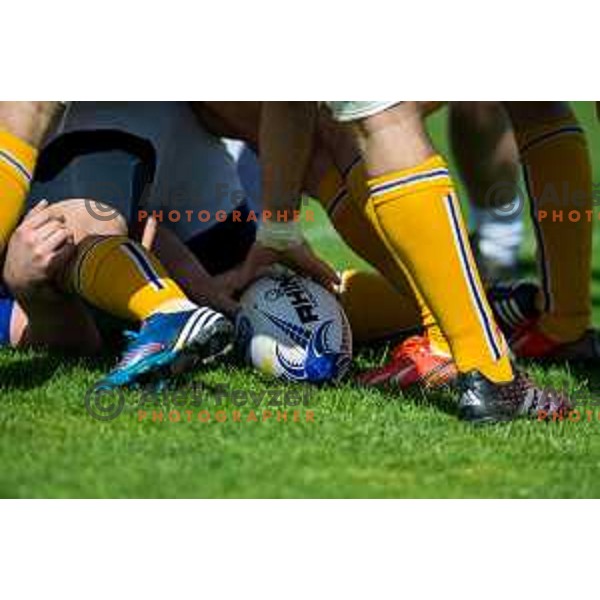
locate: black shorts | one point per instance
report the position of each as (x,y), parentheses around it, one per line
(108,166)
(115,168)
(226,244)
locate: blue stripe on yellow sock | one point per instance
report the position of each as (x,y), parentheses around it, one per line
(341,194)
(9,159)
(570,129)
(144,265)
(472,280)
(390,186)
(337,200)
(545,272)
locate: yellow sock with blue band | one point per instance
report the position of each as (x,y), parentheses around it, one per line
(558,175)
(17,161)
(120,277)
(400,306)
(417,217)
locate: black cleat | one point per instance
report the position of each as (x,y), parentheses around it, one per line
(514,305)
(515,310)
(483,401)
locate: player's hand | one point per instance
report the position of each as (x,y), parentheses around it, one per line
(299,257)
(38,251)
(229,283)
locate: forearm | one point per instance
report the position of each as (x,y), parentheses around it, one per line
(237,120)
(286,142)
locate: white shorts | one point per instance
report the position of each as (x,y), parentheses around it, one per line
(352,110)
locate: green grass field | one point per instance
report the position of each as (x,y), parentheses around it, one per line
(362,443)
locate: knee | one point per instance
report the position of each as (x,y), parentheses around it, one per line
(88,218)
(30,121)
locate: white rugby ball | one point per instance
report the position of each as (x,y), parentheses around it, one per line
(293,328)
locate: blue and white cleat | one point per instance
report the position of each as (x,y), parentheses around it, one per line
(171,342)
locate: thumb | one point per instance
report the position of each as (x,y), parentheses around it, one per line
(149,233)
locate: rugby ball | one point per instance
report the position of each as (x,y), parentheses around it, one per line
(294,329)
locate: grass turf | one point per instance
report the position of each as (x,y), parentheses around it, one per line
(361,444)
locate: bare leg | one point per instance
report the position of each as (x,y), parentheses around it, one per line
(484,146)
(394,139)
(23,128)
(413,205)
(44,310)
(30,121)
(42,315)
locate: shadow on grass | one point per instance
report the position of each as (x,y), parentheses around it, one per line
(443,400)
(27,371)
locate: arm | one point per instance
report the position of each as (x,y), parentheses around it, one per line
(188,272)
(286,143)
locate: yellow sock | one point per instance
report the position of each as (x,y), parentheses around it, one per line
(17,161)
(375,309)
(120,277)
(417,216)
(331,189)
(402,305)
(397,309)
(558,175)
